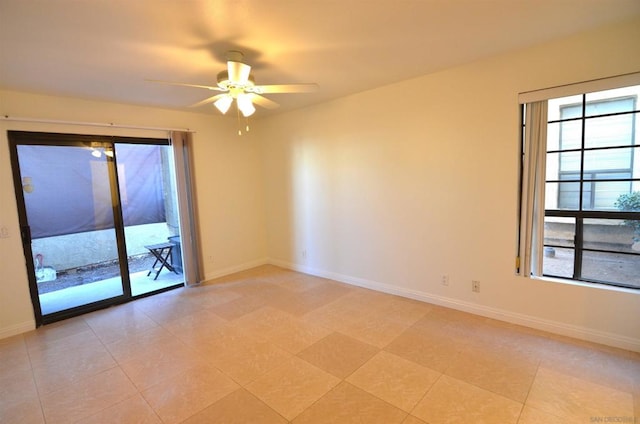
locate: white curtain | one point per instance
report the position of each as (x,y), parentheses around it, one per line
(181,142)
(531,233)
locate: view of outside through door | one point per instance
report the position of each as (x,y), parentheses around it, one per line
(69,196)
(146,180)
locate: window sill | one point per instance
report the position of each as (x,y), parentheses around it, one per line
(596,286)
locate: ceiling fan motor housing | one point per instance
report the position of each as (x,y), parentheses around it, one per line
(225,83)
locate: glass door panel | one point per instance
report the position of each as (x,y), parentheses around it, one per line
(146,180)
(69,202)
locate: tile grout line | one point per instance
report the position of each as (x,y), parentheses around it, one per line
(426,393)
(524,403)
(33,378)
(138,392)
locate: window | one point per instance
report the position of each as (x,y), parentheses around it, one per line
(590,225)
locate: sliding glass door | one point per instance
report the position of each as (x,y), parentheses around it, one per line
(70,225)
(94,212)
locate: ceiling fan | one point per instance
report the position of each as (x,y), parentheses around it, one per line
(237,83)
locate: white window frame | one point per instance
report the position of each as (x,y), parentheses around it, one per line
(532,200)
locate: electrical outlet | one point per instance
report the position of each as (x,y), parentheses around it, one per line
(444,280)
(304,254)
(475,286)
(4,232)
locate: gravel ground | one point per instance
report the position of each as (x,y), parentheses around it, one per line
(624,268)
(94,272)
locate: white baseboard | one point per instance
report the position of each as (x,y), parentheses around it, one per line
(556,327)
(16,329)
(233,269)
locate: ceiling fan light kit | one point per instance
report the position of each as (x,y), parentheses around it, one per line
(245,105)
(237,83)
(223,104)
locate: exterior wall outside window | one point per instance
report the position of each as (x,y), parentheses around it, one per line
(553,138)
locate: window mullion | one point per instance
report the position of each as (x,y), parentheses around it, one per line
(578,241)
(582,146)
(577,255)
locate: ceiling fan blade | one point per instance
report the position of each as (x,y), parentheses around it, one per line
(263,101)
(208,100)
(284,88)
(208,87)
(238,72)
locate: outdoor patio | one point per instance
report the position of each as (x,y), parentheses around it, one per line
(77,295)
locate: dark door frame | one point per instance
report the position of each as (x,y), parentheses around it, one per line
(61,139)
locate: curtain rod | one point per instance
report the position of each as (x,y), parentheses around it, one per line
(91,124)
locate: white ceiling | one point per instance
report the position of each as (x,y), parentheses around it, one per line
(105,49)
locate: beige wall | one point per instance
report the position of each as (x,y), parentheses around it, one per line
(389,189)
(394,187)
(227,172)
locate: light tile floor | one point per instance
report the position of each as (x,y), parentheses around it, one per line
(274,346)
